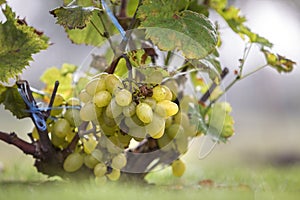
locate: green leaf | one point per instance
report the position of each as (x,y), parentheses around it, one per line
(131,7)
(278,62)
(91,35)
(74,16)
(84,3)
(2,1)
(186,31)
(236,22)
(18,42)
(12,101)
(199,8)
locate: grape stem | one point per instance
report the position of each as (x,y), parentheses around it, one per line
(26,147)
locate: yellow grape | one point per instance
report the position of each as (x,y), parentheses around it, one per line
(155,127)
(84,96)
(169,95)
(119,161)
(90,161)
(113,83)
(73,101)
(159,134)
(102,98)
(94,86)
(123,97)
(170,107)
(178,168)
(61,127)
(89,144)
(129,110)
(159,93)
(169,122)
(73,162)
(90,112)
(73,117)
(144,112)
(114,175)
(100,170)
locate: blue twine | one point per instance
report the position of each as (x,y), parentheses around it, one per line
(113,19)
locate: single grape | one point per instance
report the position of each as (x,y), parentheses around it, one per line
(119,161)
(159,134)
(90,112)
(155,77)
(100,170)
(113,83)
(102,98)
(61,127)
(114,175)
(73,101)
(73,162)
(144,112)
(90,161)
(129,110)
(169,107)
(181,143)
(89,144)
(169,95)
(174,130)
(58,142)
(159,93)
(178,168)
(113,110)
(169,122)
(155,127)
(94,86)
(173,86)
(123,97)
(73,117)
(84,96)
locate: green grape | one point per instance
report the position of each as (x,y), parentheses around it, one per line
(73,162)
(165,143)
(119,161)
(156,126)
(90,161)
(123,97)
(84,96)
(159,134)
(102,98)
(94,86)
(170,107)
(58,101)
(178,168)
(144,112)
(89,144)
(73,101)
(90,112)
(113,110)
(159,93)
(114,175)
(73,117)
(174,130)
(181,144)
(70,135)
(100,170)
(169,122)
(113,83)
(61,127)
(150,101)
(132,122)
(57,141)
(169,95)
(129,110)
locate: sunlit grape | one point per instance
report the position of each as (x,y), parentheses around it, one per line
(102,98)
(114,175)
(123,97)
(178,168)
(73,162)
(61,127)
(100,169)
(119,161)
(144,112)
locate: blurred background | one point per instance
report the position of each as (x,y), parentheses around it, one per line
(266,106)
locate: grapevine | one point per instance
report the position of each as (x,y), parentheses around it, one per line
(132,111)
